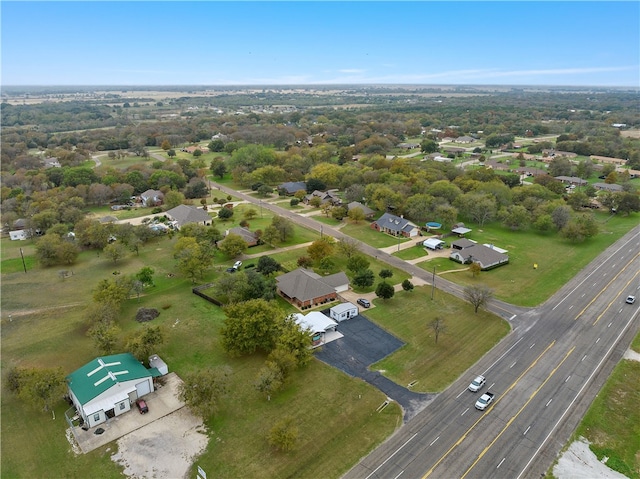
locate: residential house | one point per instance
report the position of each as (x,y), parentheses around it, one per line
(408,146)
(572,180)
(553,153)
(497,165)
(454,149)
(530,171)
(463,243)
(325,197)
(51,163)
(464,139)
(292,187)
(192,149)
(487,257)
(306,289)
(607,187)
(108,386)
(396,226)
(246,234)
(608,160)
(152,198)
(183,214)
(368,212)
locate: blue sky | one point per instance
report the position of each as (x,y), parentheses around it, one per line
(283,43)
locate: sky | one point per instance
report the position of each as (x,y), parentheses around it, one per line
(571,43)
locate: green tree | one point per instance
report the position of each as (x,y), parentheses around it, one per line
(47,249)
(357,263)
(173,198)
(385,273)
(145,341)
(320,249)
(283,436)
(113,291)
(193,259)
(561,216)
(407,285)
(429,146)
(115,251)
(269,379)
(105,335)
(363,278)
(385,290)
(356,214)
(225,213)
(475,269)
(514,216)
(250,326)
(41,388)
(267,265)
(270,236)
(218,168)
(283,226)
(233,245)
(202,391)
(145,275)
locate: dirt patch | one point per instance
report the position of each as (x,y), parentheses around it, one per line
(165,448)
(579,462)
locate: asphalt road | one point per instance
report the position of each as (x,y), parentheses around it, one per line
(545,375)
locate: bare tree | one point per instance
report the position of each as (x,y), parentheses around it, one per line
(478,295)
(438,327)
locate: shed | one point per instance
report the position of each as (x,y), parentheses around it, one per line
(156,362)
(343,311)
(18,235)
(317,324)
(433,243)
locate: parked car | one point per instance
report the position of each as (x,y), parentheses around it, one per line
(142,406)
(363,302)
(237,264)
(231,270)
(477,383)
(630,299)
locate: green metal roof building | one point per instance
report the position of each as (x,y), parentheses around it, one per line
(108,386)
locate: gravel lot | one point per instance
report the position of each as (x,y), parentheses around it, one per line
(166,448)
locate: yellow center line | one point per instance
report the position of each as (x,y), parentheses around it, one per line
(603,289)
(464,436)
(518,413)
(615,300)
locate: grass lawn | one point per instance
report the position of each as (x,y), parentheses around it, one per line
(408,315)
(34,445)
(558,260)
(411,253)
(612,424)
(363,232)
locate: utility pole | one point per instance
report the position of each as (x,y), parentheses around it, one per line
(433,283)
(24,265)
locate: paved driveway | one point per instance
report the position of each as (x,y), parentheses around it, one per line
(363,344)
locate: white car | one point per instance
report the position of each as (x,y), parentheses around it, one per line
(484,401)
(477,383)
(630,299)
(237,264)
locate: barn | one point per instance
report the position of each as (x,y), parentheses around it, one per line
(108,386)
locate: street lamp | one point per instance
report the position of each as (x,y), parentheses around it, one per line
(320,231)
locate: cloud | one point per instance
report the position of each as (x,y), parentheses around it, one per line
(351,70)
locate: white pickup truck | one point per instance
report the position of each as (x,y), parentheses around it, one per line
(484,401)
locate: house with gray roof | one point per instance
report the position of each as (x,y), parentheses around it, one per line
(183,214)
(368,212)
(108,386)
(152,197)
(607,187)
(291,187)
(486,256)
(246,234)
(325,197)
(306,289)
(396,226)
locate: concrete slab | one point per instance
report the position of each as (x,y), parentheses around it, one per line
(162,402)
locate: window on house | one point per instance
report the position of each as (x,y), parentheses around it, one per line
(96,417)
